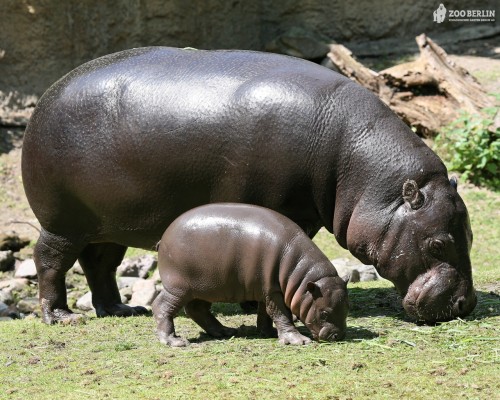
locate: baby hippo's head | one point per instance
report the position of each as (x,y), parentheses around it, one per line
(328,308)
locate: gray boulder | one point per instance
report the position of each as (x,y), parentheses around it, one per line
(126,281)
(14,285)
(28,305)
(26,269)
(6,296)
(357,271)
(138,267)
(84,303)
(143,293)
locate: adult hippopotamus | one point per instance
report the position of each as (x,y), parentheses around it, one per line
(237,252)
(122,145)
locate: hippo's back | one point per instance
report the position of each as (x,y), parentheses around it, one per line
(122,145)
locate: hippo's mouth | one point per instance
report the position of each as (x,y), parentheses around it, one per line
(439,294)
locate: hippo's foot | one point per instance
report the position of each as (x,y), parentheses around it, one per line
(222,331)
(119,310)
(294,338)
(173,340)
(62,316)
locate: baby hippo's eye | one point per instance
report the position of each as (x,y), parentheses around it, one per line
(437,247)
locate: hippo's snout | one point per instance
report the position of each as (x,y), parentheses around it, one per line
(331,334)
(440,294)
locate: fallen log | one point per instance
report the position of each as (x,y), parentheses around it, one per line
(427,93)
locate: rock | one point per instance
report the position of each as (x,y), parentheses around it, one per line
(358,272)
(6,297)
(7,260)
(84,303)
(137,266)
(11,241)
(9,311)
(26,269)
(156,276)
(126,281)
(28,305)
(14,285)
(126,292)
(355,277)
(77,269)
(300,42)
(368,273)
(143,293)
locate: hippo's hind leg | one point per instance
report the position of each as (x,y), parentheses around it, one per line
(54,255)
(283,319)
(99,262)
(165,308)
(199,311)
(265,322)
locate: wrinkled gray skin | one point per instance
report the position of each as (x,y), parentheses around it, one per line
(122,145)
(237,252)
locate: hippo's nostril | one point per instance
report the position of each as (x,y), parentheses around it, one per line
(459,306)
(332,337)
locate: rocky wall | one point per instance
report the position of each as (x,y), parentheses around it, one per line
(41,40)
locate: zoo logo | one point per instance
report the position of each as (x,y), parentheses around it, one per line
(463,15)
(440,14)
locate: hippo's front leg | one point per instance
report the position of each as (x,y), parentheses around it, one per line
(282,317)
(165,308)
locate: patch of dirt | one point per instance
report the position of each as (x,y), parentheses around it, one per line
(15,212)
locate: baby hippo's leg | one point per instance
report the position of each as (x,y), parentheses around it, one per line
(282,317)
(165,308)
(199,311)
(265,323)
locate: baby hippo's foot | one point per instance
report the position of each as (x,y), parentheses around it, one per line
(294,338)
(173,340)
(222,331)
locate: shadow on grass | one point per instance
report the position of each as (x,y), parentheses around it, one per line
(378,302)
(251,332)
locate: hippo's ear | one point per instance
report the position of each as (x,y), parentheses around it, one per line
(314,289)
(454,182)
(412,195)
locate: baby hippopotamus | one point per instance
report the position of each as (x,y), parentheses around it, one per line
(236,252)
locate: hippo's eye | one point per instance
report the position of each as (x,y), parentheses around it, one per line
(323,315)
(437,247)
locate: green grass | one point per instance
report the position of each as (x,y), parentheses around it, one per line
(383,356)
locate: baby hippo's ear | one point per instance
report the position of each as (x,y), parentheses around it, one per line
(347,278)
(314,289)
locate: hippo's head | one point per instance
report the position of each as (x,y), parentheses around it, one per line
(425,252)
(327,312)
